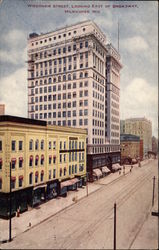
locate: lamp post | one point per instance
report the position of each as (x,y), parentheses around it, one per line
(10,208)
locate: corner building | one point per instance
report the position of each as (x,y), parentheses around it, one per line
(67,84)
(45,161)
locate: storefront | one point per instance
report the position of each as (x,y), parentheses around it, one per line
(52,190)
(68,185)
(39,194)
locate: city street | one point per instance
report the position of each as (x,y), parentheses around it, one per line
(88,224)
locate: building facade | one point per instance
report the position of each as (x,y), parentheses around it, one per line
(45,160)
(154,144)
(141,127)
(131,148)
(67,85)
(2,109)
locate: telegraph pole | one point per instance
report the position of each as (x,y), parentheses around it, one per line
(153,191)
(10,209)
(114,226)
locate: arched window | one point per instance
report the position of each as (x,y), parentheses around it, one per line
(42,144)
(50,80)
(42,176)
(64,77)
(81,74)
(59,78)
(31,145)
(37,145)
(86,74)
(31,178)
(69,77)
(54,80)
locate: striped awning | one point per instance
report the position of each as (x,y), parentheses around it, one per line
(97,172)
(105,170)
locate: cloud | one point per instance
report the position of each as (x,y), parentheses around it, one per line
(14,89)
(140,99)
(134,44)
(13,47)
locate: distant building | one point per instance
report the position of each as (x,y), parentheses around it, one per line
(131,147)
(154,144)
(2,109)
(141,127)
(44,160)
(122,126)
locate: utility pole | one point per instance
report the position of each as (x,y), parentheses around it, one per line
(10,208)
(153,191)
(114,226)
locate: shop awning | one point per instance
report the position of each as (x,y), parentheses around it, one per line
(54,156)
(75,180)
(42,171)
(105,170)
(21,177)
(37,157)
(134,160)
(42,157)
(97,172)
(50,156)
(66,183)
(21,158)
(116,166)
(41,186)
(0,160)
(0,178)
(31,157)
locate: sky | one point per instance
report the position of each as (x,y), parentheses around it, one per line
(138,47)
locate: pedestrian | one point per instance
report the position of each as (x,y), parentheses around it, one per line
(124,169)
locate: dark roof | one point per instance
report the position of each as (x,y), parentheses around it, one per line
(129,137)
(9,118)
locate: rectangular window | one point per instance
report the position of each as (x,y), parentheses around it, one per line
(0,145)
(60,158)
(54,173)
(20,163)
(49,174)
(13,145)
(20,182)
(20,145)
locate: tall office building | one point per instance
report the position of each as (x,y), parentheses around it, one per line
(67,85)
(141,127)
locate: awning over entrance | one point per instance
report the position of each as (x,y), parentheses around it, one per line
(69,182)
(105,170)
(97,172)
(41,186)
(116,166)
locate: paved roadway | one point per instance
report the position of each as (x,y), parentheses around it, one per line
(88,224)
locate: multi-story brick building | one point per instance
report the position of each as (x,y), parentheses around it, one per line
(67,85)
(131,148)
(141,127)
(44,160)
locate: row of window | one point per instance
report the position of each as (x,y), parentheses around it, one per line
(69,77)
(58,87)
(59,70)
(98,114)
(98,105)
(60,97)
(97,132)
(52,174)
(98,96)
(82,93)
(97,123)
(60,105)
(61,60)
(60,123)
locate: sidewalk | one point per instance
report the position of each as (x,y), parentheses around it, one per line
(35,216)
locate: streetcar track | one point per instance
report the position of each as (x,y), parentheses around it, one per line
(92,227)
